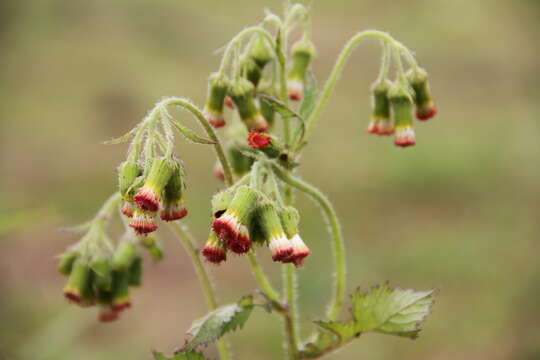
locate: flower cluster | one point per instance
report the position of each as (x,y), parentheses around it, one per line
(245,216)
(392,104)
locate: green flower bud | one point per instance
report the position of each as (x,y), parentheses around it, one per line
(401,102)
(120,292)
(127,173)
(242,93)
(268,218)
(251,70)
(67,260)
(221,201)
(124,255)
(303,52)
(260,53)
(135,272)
(241,164)
(79,286)
(173,198)
(425,108)
(149,196)
(101,266)
(152,245)
(381,123)
(290,218)
(217,90)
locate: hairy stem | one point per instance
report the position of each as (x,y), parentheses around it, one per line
(187,240)
(261,278)
(340,65)
(337,237)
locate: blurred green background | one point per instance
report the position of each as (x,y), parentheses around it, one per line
(460,211)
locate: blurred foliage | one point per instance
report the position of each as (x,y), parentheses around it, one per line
(458,212)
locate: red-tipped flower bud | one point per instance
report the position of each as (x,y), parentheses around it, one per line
(173,197)
(264,142)
(217,90)
(128,208)
(107,314)
(242,93)
(149,196)
(214,250)
(289,220)
(143,222)
(381,123)
(120,293)
(425,108)
(401,103)
(302,53)
(79,286)
(279,244)
(128,171)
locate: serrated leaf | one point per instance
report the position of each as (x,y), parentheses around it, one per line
(190,355)
(220,321)
(310,95)
(190,135)
(344,331)
(391,311)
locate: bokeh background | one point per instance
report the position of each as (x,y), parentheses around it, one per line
(460,211)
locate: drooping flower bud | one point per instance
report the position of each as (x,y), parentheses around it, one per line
(217,90)
(173,197)
(143,222)
(152,245)
(425,108)
(79,286)
(302,53)
(232,226)
(221,201)
(264,142)
(102,270)
(149,195)
(260,53)
(241,164)
(135,271)
(381,122)
(251,70)
(67,260)
(289,220)
(128,171)
(120,293)
(214,250)
(279,244)
(401,102)
(124,255)
(242,93)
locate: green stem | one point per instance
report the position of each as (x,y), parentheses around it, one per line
(340,65)
(291,324)
(187,240)
(337,237)
(261,278)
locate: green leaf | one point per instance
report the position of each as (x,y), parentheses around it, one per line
(220,321)
(310,95)
(391,311)
(190,355)
(190,135)
(122,138)
(285,111)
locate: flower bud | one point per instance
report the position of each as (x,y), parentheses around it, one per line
(173,197)
(401,103)
(302,53)
(120,293)
(232,226)
(149,196)
(79,286)
(221,201)
(251,70)
(101,267)
(135,271)
(289,220)
(260,53)
(264,142)
(241,164)
(152,245)
(217,90)
(218,171)
(128,171)
(425,108)
(214,250)
(143,222)
(66,262)
(242,93)
(228,102)
(128,208)
(300,251)
(381,122)
(279,244)
(124,256)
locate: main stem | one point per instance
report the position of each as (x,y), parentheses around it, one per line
(337,237)
(187,240)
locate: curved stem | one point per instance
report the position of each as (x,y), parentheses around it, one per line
(337,237)
(261,278)
(188,242)
(186,104)
(340,65)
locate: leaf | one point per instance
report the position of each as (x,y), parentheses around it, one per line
(310,95)
(285,111)
(391,311)
(190,355)
(190,135)
(220,321)
(122,138)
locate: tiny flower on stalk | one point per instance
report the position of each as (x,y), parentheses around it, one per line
(425,108)
(217,90)
(279,244)
(401,102)
(381,122)
(173,197)
(242,93)
(215,250)
(302,54)
(148,196)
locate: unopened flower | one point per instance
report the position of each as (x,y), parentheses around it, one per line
(214,250)
(217,90)
(67,260)
(149,195)
(173,197)
(240,163)
(221,201)
(425,108)
(251,70)
(381,123)
(300,251)
(302,54)
(120,293)
(232,226)
(128,171)
(135,271)
(143,222)
(401,103)
(279,244)
(242,93)
(264,142)
(260,52)
(102,272)
(79,286)
(124,255)
(289,220)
